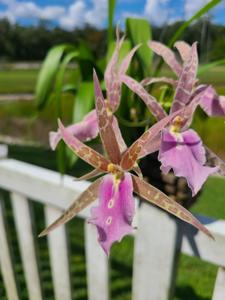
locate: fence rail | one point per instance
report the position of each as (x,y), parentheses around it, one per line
(158,240)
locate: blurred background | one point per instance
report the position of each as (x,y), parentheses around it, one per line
(48,49)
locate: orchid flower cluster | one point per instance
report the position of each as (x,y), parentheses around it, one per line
(180,148)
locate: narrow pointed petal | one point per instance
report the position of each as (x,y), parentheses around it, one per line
(126,61)
(85,130)
(187,112)
(218,162)
(186,81)
(137,170)
(113,217)
(185,154)
(143,146)
(54,139)
(84,152)
(105,124)
(155,196)
(184,49)
(118,134)
(112,82)
(86,198)
(151,80)
(152,104)
(213,104)
(168,56)
(89,175)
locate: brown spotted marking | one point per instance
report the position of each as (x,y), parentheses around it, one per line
(88,196)
(105,124)
(142,188)
(186,81)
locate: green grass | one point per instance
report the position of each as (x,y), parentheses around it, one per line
(17,81)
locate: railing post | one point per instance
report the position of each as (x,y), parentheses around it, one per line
(219,289)
(155,254)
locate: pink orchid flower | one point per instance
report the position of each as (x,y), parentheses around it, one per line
(180,148)
(114,214)
(87,129)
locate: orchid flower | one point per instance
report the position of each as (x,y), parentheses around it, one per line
(214,105)
(180,148)
(114,214)
(87,129)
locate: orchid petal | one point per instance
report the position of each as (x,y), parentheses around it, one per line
(187,112)
(143,146)
(114,215)
(84,152)
(118,134)
(89,175)
(151,80)
(105,124)
(137,170)
(152,104)
(186,81)
(155,196)
(168,56)
(113,85)
(88,196)
(126,61)
(213,104)
(184,153)
(184,49)
(85,130)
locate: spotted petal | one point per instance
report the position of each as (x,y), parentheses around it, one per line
(105,124)
(155,196)
(214,106)
(83,151)
(114,215)
(88,196)
(184,153)
(152,104)
(113,86)
(186,81)
(167,54)
(184,49)
(85,130)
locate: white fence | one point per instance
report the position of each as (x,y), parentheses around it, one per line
(158,240)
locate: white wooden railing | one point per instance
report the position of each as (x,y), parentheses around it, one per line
(158,240)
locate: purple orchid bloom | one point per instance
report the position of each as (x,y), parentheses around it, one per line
(179,148)
(213,105)
(87,129)
(114,214)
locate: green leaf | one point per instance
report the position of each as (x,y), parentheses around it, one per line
(196,16)
(61,151)
(111,10)
(48,73)
(208,66)
(84,100)
(69,88)
(139,31)
(60,78)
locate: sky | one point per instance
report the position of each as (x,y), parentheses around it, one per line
(70,14)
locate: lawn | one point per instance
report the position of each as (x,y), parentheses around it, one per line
(191,284)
